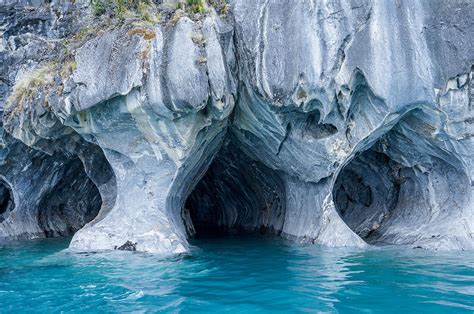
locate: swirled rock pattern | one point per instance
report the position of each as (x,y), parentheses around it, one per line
(342,123)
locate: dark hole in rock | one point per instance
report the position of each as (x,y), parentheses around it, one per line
(70,203)
(7,203)
(396,190)
(366,192)
(236,195)
(307,125)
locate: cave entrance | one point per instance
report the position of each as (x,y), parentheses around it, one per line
(367,192)
(395,191)
(70,202)
(236,195)
(7,203)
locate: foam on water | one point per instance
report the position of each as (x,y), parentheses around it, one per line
(236,274)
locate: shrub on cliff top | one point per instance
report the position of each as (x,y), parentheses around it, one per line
(119,8)
(192,6)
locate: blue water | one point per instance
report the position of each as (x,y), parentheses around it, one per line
(235,275)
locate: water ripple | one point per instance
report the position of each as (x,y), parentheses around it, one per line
(235,275)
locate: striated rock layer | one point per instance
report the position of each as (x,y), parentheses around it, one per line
(342,123)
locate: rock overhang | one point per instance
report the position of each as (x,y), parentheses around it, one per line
(303,96)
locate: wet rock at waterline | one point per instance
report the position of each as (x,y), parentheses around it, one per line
(346,123)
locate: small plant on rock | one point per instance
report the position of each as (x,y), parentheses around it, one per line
(98,7)
(29,85)
(192,6)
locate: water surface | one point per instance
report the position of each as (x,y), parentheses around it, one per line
(235,275)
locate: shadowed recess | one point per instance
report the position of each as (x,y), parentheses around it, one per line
(72,202)
(235,195)
(7,204)
(395,191)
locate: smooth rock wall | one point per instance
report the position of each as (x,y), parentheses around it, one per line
(339,123)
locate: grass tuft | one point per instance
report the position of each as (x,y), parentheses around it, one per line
(146,33)
(29,86)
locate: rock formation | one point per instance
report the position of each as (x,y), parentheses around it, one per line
(342,123)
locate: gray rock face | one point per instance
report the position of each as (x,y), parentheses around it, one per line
(52,181)
(39,192)
(342,123)
(157,136)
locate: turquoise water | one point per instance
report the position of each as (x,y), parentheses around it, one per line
(235,275)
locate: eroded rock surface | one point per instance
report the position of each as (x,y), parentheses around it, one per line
(343,123)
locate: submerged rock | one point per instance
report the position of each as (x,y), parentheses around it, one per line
(342,123)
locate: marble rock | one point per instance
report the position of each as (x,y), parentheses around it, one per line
(341,123)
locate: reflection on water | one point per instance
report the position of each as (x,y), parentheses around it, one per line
(241,274)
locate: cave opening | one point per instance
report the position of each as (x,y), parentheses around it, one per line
(70,202)
(367,192)
(7,203)
(394,192)
(236,196)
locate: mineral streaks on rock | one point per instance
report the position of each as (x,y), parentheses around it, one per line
(422,192)
(342,123)
(160,136)
(39,193)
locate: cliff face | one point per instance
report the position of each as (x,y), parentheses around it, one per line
(343,123)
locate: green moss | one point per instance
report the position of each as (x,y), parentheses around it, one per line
(148,11)
(196,6)
(192,6)
(123,8)
(120,8)
(98,7)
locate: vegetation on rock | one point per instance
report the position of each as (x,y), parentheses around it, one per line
(29,86)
